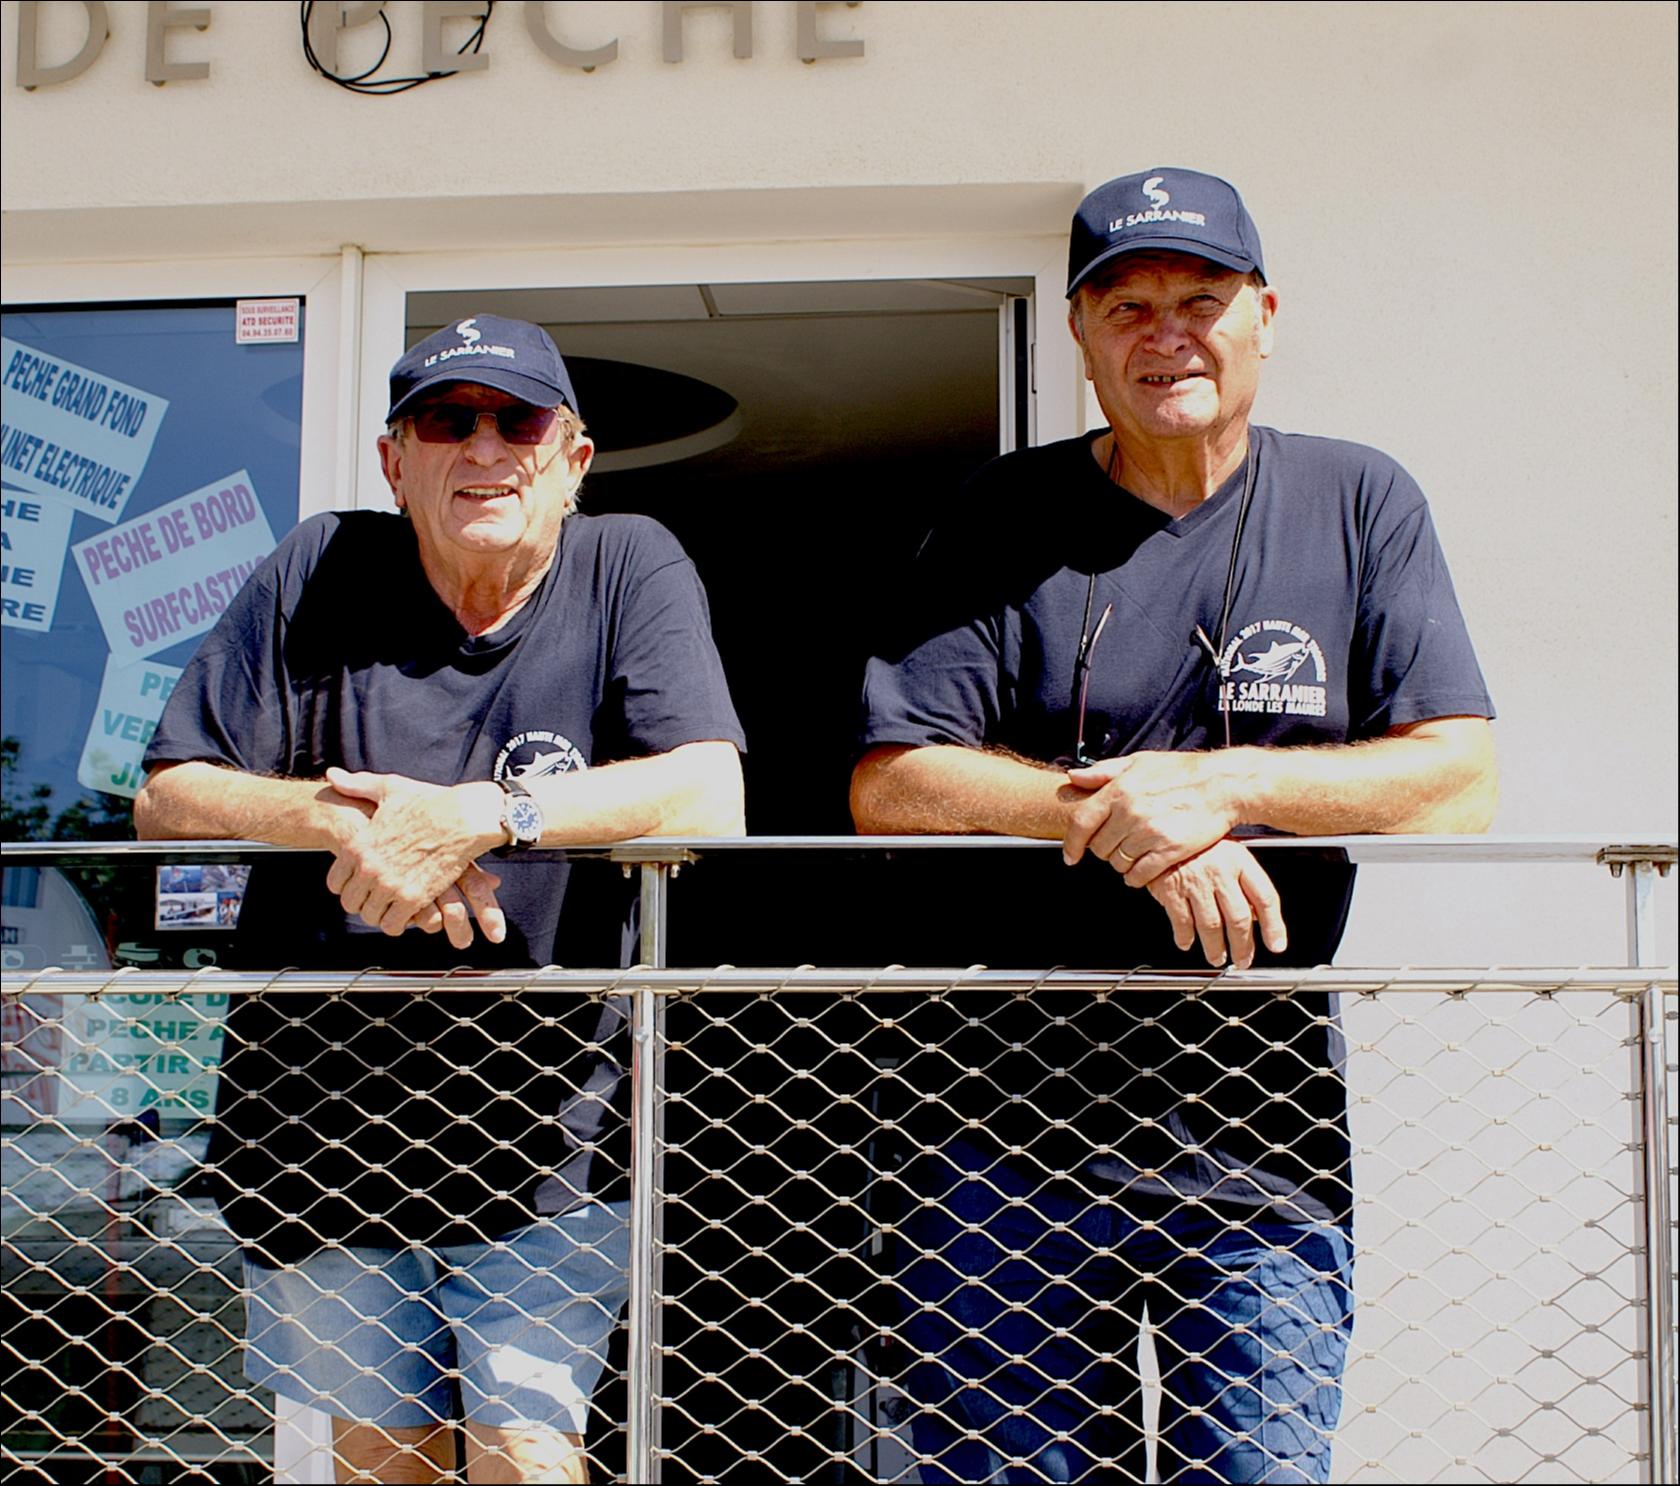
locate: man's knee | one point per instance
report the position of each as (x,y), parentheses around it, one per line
(495,1456)
(371,1453)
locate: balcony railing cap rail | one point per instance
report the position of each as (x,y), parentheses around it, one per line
(1654,847)
(1436,980)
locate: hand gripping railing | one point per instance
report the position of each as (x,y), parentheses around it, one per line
(651,984)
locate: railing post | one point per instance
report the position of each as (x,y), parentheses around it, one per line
(1654,1308)
(642,1354)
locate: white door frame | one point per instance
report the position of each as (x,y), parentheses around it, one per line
(387,279)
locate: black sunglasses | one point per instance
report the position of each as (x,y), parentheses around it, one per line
(1088,638)
(455,422)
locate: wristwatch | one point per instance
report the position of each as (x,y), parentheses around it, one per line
(522,816)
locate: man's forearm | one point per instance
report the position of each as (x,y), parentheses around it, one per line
(947,790)
(1437,777)
(203,801)
(694,790)
(1433,776)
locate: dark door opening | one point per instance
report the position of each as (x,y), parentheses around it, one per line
(811,431)
(797,439)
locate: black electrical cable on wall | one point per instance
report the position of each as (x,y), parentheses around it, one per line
(360,82)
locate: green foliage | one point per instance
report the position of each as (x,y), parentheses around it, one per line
(26,811)
(119,895)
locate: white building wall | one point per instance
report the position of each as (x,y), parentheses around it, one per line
(1469,211)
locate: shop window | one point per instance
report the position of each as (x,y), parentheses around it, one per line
(149,462)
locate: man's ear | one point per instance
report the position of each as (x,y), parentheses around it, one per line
(1267,333)
(390,465)
(1076,328)
(581,455)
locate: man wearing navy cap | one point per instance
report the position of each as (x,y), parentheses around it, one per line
(1141,642)
(430,1189)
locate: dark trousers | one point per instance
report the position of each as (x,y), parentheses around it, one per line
(1023,1304)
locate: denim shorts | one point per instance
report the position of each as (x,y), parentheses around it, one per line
(511,1333)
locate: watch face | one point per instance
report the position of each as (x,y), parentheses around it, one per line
(525,816)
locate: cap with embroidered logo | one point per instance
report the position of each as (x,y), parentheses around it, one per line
(1169,210)
(513,356)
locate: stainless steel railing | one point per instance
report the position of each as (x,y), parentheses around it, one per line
(651,987)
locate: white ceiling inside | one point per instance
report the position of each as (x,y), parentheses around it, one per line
(826,372)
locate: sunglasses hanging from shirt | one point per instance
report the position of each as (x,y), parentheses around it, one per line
(1198,636)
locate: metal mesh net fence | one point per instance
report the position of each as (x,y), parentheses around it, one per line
(902,1224)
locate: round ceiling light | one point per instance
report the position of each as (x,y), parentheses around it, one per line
(641,416)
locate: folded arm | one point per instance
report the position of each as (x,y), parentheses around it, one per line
(1149,811)
(405,851)
(1431,776)
(421,836)
(209,802)
(1161,819)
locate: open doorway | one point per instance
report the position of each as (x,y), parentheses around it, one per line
(797,439)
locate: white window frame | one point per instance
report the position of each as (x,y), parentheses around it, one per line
(316,281)
(387,279)
(348,351)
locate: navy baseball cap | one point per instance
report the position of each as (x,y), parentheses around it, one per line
(513,356)
(1169,210)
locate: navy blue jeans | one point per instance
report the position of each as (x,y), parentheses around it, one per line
(1023,1304)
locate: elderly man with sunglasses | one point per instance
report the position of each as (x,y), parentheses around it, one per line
(1140,642)
(430,1189)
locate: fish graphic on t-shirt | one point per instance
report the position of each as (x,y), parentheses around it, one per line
(1279,663)
(558,762)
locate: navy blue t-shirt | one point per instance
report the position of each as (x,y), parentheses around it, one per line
(1343,621)
(457,1114)
(1343,624)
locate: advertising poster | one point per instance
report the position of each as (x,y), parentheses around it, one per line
(131,699)
(168,575)
(71,434)
(33,536)
(123,1055)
